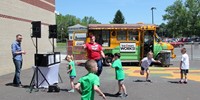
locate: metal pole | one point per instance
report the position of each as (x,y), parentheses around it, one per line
(152,17)
(152,8)
(36,45)
(191,51)
(53,44)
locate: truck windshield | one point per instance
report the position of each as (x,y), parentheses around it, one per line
(157,38)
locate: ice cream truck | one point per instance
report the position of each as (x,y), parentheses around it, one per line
(132,41)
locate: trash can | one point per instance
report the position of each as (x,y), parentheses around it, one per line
(165,58)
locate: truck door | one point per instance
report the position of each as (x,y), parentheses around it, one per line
(148,42)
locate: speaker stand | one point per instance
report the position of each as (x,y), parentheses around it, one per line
(35,74)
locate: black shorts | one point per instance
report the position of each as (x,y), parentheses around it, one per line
(184,71)
(142,68)
(72,77)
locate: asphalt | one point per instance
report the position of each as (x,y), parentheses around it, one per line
(159,89)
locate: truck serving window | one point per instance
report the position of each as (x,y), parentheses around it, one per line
(121,35)
(105,37)
(133,35)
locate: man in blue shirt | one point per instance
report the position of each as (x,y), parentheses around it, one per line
(17,59)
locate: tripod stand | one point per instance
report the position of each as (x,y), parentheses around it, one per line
(35,74)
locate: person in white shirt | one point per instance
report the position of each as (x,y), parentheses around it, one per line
(184,65)
(145,63)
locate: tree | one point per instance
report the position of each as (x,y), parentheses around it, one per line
(119,18)
(161,30)
(63,22)
(193,7)
(176,14)
(183,18)
(89,20)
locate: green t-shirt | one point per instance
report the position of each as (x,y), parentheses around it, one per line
(87,83)
(119,72)
(73,72)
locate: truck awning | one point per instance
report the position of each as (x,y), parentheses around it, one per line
(116,26)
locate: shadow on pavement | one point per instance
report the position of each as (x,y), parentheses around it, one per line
(66,90)
(174,82)
(110,95)
(21,86)
(139,81)
(143,81)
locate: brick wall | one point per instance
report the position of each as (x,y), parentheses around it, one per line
(15,18)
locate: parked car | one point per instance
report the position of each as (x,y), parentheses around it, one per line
(176,43)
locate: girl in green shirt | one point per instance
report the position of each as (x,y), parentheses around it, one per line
(119,72)
(71,71)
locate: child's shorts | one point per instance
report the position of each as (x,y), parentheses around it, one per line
(184,71)
(121,81)
(142,68)
(72,77)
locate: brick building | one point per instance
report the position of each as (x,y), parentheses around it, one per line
(15,18)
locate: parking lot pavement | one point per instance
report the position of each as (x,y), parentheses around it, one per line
(164,85)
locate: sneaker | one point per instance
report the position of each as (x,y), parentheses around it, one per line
(185,82)
(181,81)
(125,95)
(148,80)
(72,90)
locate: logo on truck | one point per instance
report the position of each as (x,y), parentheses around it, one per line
(127,47)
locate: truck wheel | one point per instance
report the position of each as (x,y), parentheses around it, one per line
(108,59)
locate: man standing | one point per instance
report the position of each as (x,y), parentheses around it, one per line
(17,59)
(95,52)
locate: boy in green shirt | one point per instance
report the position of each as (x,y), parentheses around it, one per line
(119,72)
(89,83)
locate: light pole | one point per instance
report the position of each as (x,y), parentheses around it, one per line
(61,34)
(152,8)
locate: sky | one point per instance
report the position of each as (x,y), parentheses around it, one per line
(104,11)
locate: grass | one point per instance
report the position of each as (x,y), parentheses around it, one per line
(61,47)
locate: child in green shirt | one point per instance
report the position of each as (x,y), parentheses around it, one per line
(71,71)
(119,72)
(89,83)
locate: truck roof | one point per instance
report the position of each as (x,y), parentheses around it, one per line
(117,26)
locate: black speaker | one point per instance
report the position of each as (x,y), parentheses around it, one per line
(52,31)
(41,60)
(36,29)
(45,60)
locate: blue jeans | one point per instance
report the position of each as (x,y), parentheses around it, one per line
(100,67)
(18,66)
